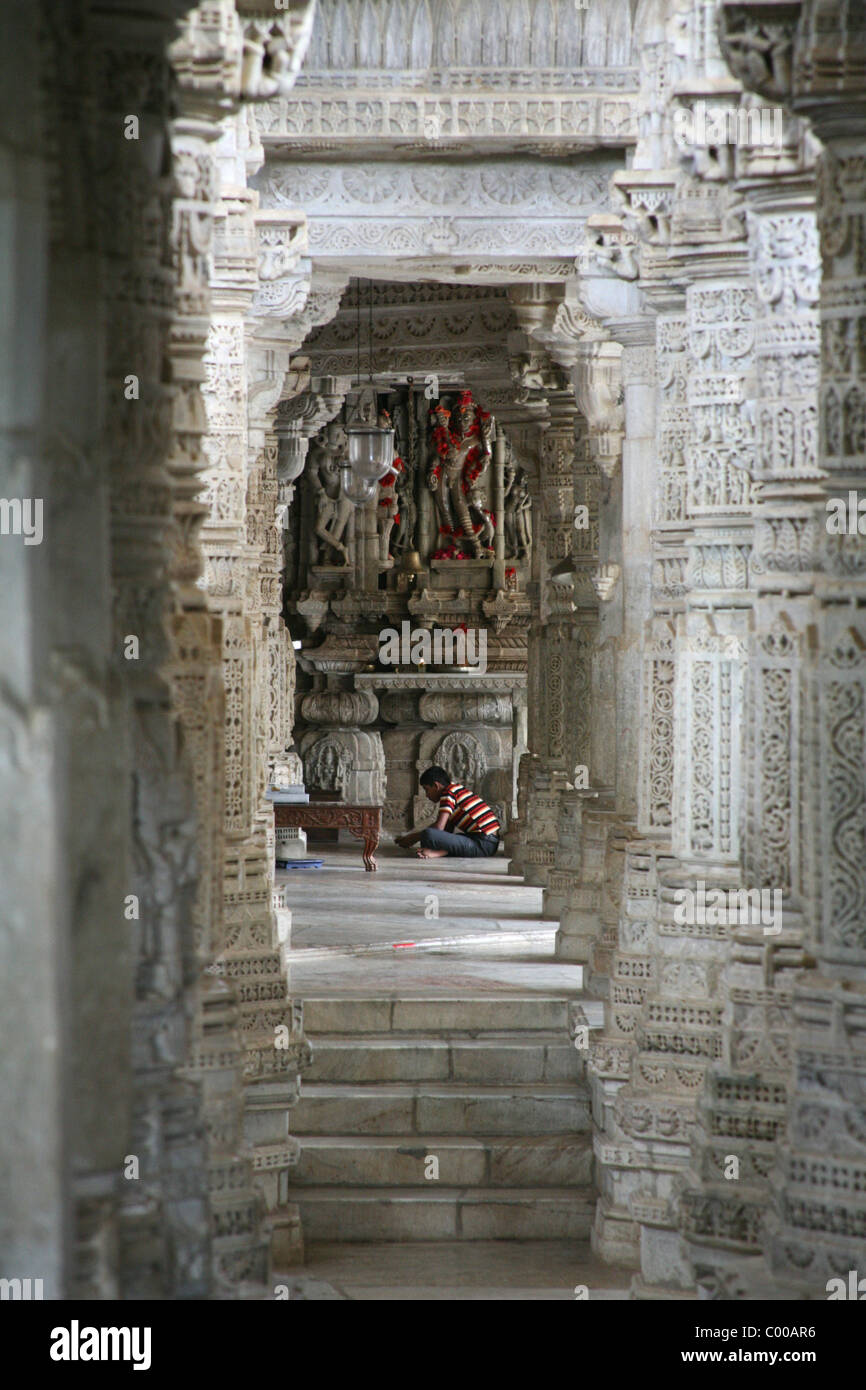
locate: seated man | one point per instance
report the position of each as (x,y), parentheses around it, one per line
(465,827)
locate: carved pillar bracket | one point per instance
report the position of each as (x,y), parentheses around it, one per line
(274,45)
(297,420)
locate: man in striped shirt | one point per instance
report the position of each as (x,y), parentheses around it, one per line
(465,827)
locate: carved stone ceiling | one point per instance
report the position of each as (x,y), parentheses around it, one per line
(457,332)
(465,77)
(455,146)
(455,139)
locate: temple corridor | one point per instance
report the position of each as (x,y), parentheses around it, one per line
(437,421)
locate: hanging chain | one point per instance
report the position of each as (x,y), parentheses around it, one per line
(370,334)
(358,332)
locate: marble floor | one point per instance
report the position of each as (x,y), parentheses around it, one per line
(488,934)
(466,936)
(551,1271)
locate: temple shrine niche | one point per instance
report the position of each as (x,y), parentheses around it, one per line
(443,548)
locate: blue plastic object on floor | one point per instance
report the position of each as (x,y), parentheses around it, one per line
(299,863)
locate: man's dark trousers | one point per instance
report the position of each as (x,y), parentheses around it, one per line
(461,846)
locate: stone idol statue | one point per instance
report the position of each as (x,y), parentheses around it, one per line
(388,508)
(518,510)
(331,508)
(458,463)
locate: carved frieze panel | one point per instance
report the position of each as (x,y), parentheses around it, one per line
(708,702)
(671,498)
(721,452)
(840,768)
(551,121)
(399,209)
(657,744)
(787,266)
(772,841)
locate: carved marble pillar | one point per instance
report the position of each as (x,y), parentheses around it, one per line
(74,1088)
(814,62)
(724,1206)
(664,1022)
(156,319)
(620,1156)
(224,654)
(551,646)
(680,1025)
(615,389)
(239,1244)
(635,559)
(247,371)
(815,1240)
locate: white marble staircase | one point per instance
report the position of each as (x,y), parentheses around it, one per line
(490,1087)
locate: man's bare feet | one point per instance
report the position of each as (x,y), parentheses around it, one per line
(431,853)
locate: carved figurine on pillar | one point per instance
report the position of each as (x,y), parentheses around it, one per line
(406,514)
(388,510)
(332,508)
(458,462)
(518,511)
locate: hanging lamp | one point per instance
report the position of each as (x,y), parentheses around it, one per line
(371,446)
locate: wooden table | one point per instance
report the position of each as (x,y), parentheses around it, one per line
(365,822)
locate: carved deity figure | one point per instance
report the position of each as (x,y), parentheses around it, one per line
(459,459)
(618,257)
(388,508)
(387,512)
(760,55)
(404,521)
(165,859)
(332,507)
(518,511)
(403,537)
(327,765)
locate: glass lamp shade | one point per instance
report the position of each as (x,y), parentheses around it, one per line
(359,490)
(562,575)
(371,451)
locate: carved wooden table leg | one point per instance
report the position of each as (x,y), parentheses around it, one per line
(370,823)
(364,822)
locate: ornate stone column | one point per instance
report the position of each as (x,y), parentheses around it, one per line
(556,773)
(663,1022)
(229,647)
(614,387)
(169,1230)
(620,1156)
(679,1028)
(242,543)
(551,645)
(239,1244)
(740,1115)
(811,56)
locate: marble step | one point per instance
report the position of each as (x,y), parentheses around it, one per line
(383,1161)
(486,1013)
(473,1110)
(506,1059)
(369,1214)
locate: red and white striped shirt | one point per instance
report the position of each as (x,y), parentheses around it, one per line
(468,813)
